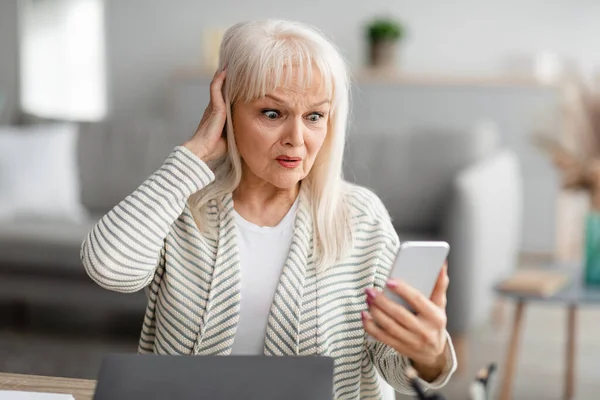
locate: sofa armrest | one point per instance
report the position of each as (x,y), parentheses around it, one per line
(482,223)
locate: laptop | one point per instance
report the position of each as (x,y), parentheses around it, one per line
(158,377)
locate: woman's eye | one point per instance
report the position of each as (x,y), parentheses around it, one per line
(271,114)
(314,117)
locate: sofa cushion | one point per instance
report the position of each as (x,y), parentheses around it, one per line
(37,244)
(117,156)
(108,163)
(413,172)
(38,172)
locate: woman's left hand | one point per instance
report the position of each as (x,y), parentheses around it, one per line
(421,336)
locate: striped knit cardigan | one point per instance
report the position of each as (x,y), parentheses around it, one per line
(150,240)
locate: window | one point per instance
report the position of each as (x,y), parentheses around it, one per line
(63,59)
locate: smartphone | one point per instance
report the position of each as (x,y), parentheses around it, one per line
(419,265)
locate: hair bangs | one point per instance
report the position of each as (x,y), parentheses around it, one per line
(279,64)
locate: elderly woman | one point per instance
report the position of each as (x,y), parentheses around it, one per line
(249,241)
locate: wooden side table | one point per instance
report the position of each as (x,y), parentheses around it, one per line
(575,294)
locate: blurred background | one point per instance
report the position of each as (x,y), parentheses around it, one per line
(459,109)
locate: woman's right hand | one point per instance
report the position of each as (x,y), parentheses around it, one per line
(209,143)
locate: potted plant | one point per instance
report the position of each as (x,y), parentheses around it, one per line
(577,157)
(383,35)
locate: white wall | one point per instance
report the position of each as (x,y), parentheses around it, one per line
(150,38)
(147,39)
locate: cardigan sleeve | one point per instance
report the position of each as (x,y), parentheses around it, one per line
(123,250)
(389,363)
(392,367)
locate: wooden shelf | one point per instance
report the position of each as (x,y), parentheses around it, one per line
(408,78)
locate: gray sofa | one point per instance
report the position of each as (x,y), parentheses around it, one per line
(39,259)
(459,186)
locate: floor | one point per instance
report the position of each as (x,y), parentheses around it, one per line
(541,355)
(72,348)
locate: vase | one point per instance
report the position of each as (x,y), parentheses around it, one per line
(383,54)
(592,249)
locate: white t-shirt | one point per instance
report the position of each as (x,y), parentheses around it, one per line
(263,252)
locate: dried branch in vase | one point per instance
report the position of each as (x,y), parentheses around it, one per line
(577,153)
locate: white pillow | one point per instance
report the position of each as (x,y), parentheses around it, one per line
(39,174)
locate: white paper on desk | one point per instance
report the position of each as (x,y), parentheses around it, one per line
(16,395)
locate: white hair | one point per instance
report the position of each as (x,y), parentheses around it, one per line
(259,56)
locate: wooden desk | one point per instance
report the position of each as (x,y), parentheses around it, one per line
(81,389)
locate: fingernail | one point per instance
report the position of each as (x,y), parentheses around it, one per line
(392,283)
(371,293)
(369,300)
(366,316)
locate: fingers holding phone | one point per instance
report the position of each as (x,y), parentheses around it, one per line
(410,316)
(438,296)
(421,334)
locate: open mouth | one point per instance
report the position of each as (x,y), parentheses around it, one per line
(289,162)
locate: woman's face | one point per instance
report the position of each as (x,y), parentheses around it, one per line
(280,135)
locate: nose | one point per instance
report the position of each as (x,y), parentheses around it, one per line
(295,133)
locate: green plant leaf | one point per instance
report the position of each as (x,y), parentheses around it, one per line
(385,29)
